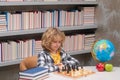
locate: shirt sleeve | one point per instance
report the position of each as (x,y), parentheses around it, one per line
(67,59)
(45,61)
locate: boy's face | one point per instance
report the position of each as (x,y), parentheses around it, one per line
(55,44)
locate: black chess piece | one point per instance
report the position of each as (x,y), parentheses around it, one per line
(81,67)
(63,68)
(58,70)
(77,67)
(73,67)
(68,68)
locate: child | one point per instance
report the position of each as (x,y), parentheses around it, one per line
(53,56)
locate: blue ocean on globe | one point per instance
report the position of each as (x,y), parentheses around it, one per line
(103,50)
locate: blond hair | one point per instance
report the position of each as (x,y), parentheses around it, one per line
(50,35)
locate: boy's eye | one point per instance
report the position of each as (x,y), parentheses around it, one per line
(57,41)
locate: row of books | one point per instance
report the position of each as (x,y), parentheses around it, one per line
(42,0)
(36,73)
(79,42)
(41,19)
(12,50)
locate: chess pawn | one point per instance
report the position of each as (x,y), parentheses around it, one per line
(68,70)
(81,71)
(58,70)
(73,67)
(73,70)
(76,71)
(63,70)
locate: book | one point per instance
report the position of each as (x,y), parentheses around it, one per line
(38,77)
(34,71)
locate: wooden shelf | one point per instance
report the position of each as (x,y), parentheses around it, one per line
(12,62)
(29,6)
(33,33)
(79,52)
(47,3)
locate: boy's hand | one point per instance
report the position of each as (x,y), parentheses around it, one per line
(60,65)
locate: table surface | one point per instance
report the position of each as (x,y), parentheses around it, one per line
(113,75)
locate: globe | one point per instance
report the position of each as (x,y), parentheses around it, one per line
(103,50)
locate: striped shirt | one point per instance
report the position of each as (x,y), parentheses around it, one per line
(45,60)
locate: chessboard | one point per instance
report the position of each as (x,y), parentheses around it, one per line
(75,73)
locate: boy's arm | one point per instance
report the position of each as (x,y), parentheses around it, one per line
(45,62)
(67,59)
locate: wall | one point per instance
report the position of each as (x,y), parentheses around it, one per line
(108,20)
(9,72)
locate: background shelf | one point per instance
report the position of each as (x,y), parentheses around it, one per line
(36,33)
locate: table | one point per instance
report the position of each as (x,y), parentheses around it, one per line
(113,75)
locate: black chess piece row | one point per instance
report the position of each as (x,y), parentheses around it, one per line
(68,68)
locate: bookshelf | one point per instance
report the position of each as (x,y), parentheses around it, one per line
(11,6)
(35,33)
(79,52)
(22,34)
(85,3)
(12,62)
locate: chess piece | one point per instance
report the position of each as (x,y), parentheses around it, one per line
(58,70)
(68,68)
(81,70)
(73,67)
(65,67)
(77,67)
(63,70)
(73,71)
(81,67)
